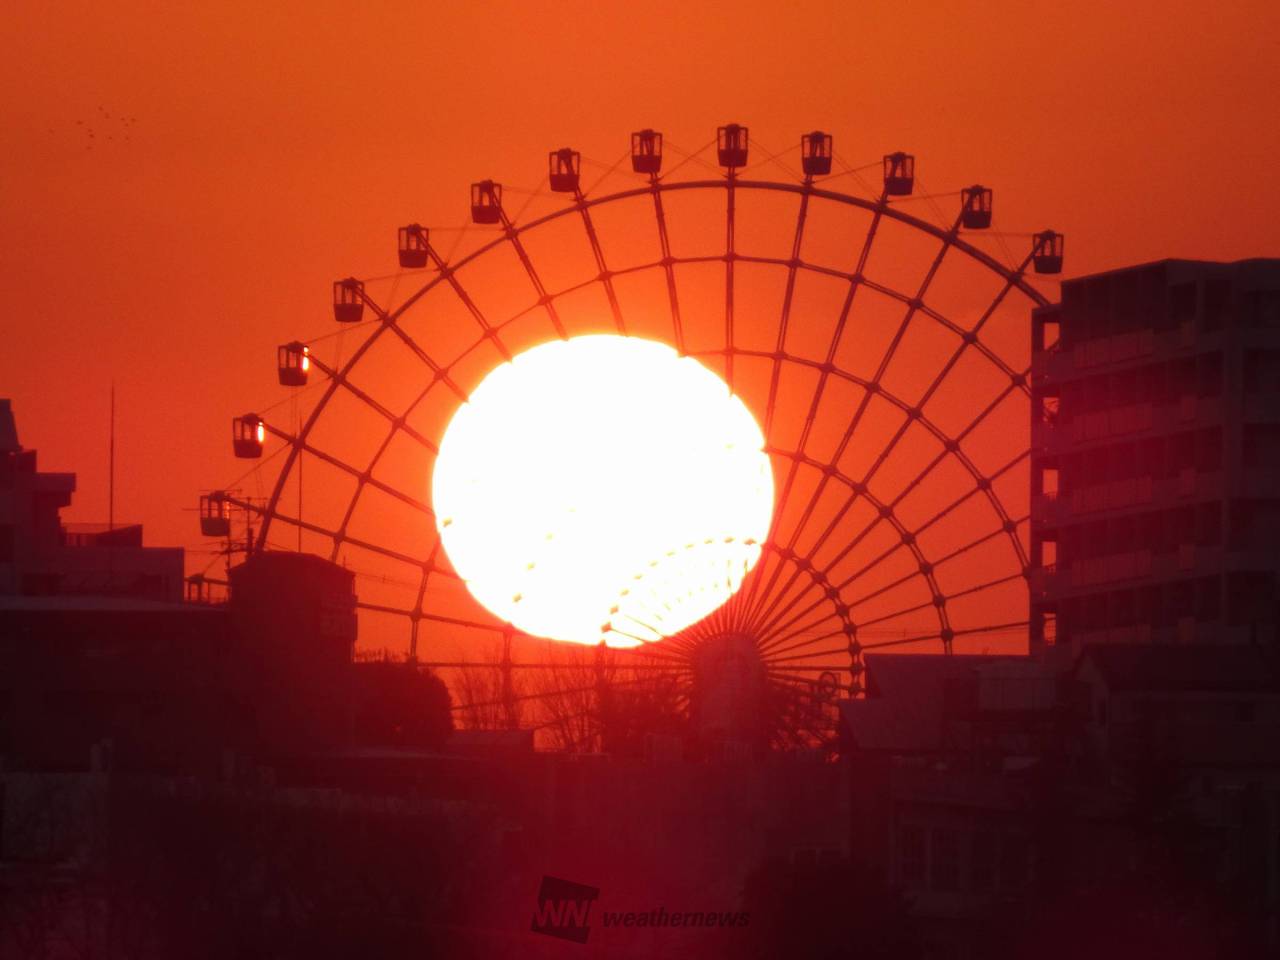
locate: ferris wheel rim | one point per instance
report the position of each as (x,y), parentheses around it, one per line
(510,232)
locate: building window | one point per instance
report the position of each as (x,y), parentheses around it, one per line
(1264,308)
(1217,302)
(1261,445)
(1182,302)
(945,864)
(1013,862)
(982,859)
(911,855)
(1209,374)
(1208,444)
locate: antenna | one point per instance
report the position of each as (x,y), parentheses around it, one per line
(111,465)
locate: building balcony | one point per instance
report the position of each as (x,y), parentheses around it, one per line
(1111,423)
(1186,561)
(1116,568)
(1116,495)
(1118,348)
(1261,407)
(1259,482)
(1131,633)
(1098,427)
(1145,491)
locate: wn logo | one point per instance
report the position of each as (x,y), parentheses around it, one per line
(564,909)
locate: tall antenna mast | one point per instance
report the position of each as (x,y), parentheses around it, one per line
(111,465)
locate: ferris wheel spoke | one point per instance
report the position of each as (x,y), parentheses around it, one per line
(784,319)
(891,293)
(415,623)
(936,518)
(397,425)
(363,396)
(780,633)
(605,277)
(451,277)
(417,562)
(366,479)
(513,237)
(362,476)
(907,577)
(770,599)
(823,372)
(776,623)
(969,339)
(307,525)
(664,241)
(875,385)
(391,321)
(902,641)
(969,494)
(930,576)
(885,511)
(383,608)
(457,621)
(826,652)
(799,640)
(730,253)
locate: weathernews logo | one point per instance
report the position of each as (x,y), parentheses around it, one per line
(564,909)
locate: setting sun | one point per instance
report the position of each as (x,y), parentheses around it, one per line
(602,488)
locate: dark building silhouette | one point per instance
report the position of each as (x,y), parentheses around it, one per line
(1126,775)
(40,556)
(997,791)
(102,666)
(1156,457)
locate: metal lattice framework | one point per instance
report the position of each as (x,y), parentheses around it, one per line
(899,521)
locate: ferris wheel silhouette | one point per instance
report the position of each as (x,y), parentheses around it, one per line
(885,355)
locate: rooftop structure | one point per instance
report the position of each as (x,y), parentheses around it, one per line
(42,556)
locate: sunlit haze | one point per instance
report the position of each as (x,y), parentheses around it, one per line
(602,488)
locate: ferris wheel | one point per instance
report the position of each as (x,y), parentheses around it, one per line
(882,343)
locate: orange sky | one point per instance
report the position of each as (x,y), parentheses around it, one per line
(274,150)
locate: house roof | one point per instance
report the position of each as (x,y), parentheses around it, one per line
(1184,668)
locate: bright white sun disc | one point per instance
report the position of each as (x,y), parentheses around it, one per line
(602,488)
